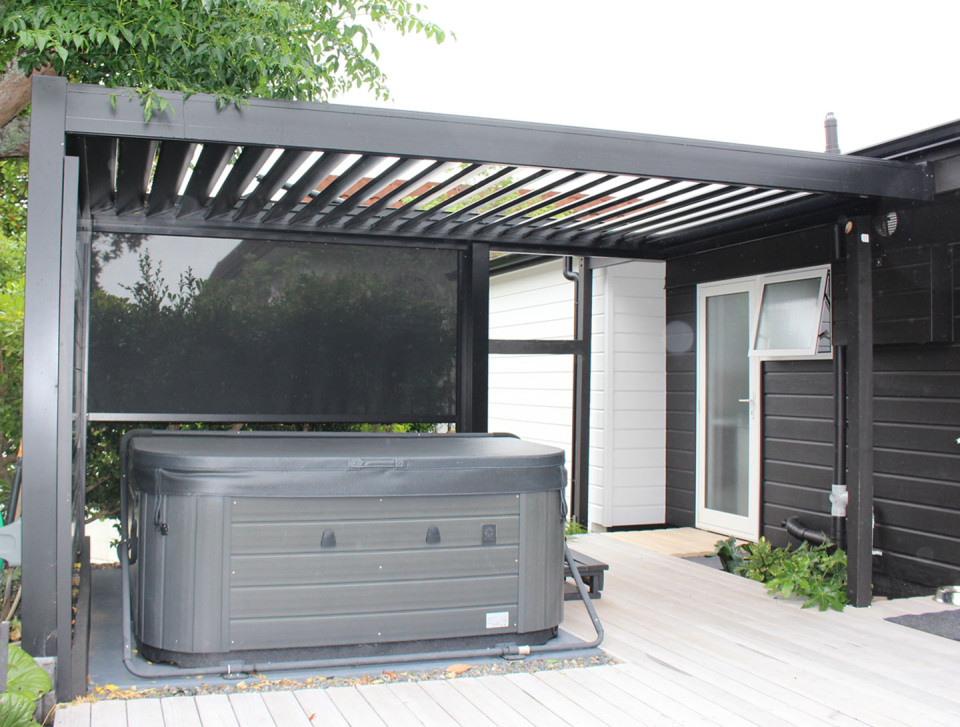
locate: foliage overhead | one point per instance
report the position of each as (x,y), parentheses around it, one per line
(295,49)
(307,50)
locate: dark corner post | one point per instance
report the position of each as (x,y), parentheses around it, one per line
(859,412)
(580,467)
(42,528)
(473,330)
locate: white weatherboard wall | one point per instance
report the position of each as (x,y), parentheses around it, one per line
(532,396)
(628,396)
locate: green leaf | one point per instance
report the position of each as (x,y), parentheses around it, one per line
(16,711)
(24,676)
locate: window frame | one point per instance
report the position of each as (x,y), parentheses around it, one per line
(824,298)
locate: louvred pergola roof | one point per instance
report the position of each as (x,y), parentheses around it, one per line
(299,170)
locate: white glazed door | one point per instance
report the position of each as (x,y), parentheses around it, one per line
(728,411)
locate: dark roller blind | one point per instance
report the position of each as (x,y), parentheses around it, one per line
(205,328)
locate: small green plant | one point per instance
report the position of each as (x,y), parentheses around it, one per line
(572,529)
(761,559)
(817,574)
(731,555)
(26,682)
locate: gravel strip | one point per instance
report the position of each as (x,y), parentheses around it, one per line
(260,683)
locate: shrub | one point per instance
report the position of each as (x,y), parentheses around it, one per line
(817,574)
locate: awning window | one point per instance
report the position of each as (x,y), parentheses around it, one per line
(794,315)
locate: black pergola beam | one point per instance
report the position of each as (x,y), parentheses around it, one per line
(221,227)
(468,139)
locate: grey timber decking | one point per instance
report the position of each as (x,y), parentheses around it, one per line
(697,647)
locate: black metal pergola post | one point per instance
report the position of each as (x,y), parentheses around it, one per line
(48,386)
(859,413)
(473,325)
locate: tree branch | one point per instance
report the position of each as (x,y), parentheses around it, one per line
(15,88)
(15,138)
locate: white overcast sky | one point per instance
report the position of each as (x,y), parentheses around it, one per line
(746,71)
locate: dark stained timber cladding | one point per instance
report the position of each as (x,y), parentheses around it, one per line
(681,404)
(915,277)
(797,444)
(917,462)
(801,249)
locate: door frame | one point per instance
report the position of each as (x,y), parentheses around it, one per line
(741,526)
(748,527)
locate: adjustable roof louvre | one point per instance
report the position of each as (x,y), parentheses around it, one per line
(317,173)
(526,217)
(585,205)
(357,171)
(135,159)
(582,190)
(492,199)
(729,199)
(485,199)
(368,190)
(437,193)
(531,195)
(242,172)
(273,180)
(658,209)
(590,228)
(213,160)
(172,164)
(757,201)
(465,194)
(396,195)
(99,154)
(578,223)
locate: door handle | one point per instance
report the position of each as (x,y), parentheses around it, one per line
(744,401)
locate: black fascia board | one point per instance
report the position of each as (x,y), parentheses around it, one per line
(916,144)
(468,139)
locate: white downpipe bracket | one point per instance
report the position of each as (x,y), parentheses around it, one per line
(838,500)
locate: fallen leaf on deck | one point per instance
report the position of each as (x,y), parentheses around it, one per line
(458,668)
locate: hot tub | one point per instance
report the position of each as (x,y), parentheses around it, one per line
(248,544)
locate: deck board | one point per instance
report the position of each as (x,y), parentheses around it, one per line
(389,706)
(286,710)
(421,704)
(463,711)
(77,715)
(180,711)
(319,708)
(601,708)
(526,706)
(215,710)
(250,710)
(487,701)
(109,714)
(697,646)
(354,708)
(145,713)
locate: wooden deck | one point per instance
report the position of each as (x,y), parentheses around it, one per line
(698,646)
